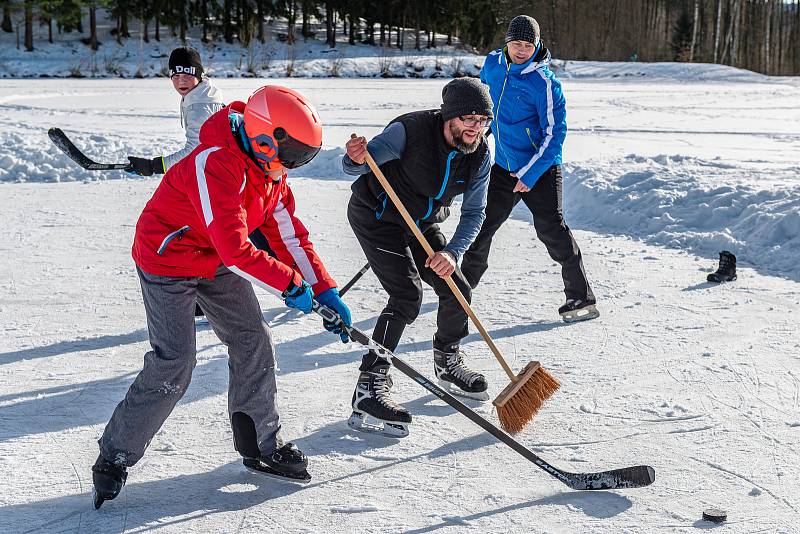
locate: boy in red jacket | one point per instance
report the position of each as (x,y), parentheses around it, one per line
(191,246)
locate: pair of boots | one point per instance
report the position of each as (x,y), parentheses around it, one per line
(372,396)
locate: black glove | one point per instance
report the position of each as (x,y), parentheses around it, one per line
(145,166)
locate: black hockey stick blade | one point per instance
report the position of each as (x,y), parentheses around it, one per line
(353,280)
(60,139)
(627,477)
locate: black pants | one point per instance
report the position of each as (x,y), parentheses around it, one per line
(545,202)
(398,261)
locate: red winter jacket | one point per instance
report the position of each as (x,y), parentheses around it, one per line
(208,203)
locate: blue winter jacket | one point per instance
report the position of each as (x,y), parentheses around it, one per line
(530,116)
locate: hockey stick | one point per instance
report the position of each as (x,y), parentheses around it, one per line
(353,280)
(627,477)
(61,140)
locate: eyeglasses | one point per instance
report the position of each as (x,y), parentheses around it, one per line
(470,123)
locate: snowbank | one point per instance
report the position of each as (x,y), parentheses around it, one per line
(689,72)
(310,59)
(32,158)
(695,204)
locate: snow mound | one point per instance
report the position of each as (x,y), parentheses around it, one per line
(33,158)
(695,204)
(326,165)
(690,72)
(133,59)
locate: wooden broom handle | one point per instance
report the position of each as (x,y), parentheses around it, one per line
(429,251)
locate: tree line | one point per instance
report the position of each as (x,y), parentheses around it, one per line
(760,35)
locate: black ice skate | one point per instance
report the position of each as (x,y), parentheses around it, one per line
(287,464)
(727,269)
(575,310)
(108,479)
(455,377)
(373,407)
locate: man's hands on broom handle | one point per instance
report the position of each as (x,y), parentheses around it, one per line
(357,150)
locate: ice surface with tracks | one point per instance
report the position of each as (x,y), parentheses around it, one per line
(700,381)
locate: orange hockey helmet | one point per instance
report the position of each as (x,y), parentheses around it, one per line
(282,127)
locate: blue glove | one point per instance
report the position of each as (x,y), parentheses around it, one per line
(298,297)
(330,298)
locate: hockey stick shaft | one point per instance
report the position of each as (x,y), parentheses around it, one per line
(60,139)
(628,477)
(353,280)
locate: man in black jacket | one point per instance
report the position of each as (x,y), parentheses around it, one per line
(429,157)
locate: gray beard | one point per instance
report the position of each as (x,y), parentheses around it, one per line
(462,146)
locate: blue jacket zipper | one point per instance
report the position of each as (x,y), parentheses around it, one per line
(499,143)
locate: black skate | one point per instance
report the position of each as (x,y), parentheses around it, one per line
(575,310)
(287,464)
(373,407)
(456,377)
(727,269)
(108,480)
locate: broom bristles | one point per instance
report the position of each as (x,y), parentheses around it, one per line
(521,407)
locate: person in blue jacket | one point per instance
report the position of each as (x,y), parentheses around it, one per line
(529,129)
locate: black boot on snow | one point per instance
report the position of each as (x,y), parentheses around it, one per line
(578,310)
(108,480)
(455,376)
(727,268)
(374,410)
(287,463)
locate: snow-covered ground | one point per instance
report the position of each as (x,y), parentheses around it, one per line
(700,381)
(67,56)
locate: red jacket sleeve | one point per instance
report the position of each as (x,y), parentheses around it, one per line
(288,238)
(216,197)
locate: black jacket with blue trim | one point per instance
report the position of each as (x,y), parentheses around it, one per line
(428,176)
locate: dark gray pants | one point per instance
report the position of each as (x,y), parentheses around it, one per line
(235,315)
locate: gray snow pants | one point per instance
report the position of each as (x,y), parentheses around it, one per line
(235,315)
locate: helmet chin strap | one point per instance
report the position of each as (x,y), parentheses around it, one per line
(271,169)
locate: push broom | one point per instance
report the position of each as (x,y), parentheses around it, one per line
(519,402)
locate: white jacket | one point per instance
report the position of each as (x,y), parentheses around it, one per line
(198,105)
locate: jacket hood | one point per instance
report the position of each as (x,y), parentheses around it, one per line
(216,131)
(203,93)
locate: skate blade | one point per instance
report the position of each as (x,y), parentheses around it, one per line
(302,479)
(457,391)
(584,314)
(366,423)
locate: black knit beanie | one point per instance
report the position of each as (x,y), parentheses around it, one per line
(465,96)
(185,60)
(523,28)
